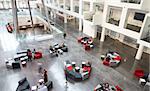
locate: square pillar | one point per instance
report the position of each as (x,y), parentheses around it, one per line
(15,16)
(80,13)
(103,34)
(65,15)
(71,5)
(91,6)
(139,52)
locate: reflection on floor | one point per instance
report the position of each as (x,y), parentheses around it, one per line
(121,76)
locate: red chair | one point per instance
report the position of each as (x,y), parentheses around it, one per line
(106,63)
(37,55)
(87,47)
(87,69)
(79,39)
(70,68)
(139,73)
(118,88)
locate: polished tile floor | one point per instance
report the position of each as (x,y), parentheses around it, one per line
(122,75)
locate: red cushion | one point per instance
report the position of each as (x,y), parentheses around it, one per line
(87,47)
(70,68)
(139,73)
(37,55)
(87,69)
(118,58)
(106,63)
(118,88)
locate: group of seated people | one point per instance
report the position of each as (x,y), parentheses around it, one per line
(23,85)
(111,59)
(87,42)
(107,87)
(22,57)
(77,73)
(58,49)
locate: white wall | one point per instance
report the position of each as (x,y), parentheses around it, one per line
(89,29)
(146,5)
(86,6)
(23,20)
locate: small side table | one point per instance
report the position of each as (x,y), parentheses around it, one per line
(34,88)
(24,63)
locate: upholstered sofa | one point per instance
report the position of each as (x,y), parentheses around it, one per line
(11,63)
(23,85)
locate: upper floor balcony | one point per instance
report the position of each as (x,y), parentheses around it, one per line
(134,20)
(131,1)
(145,33)
(114,15)
(134,4)
(95,16)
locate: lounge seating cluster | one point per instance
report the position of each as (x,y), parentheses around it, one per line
(24,54)
(21,57)
(41,86)
(87,42)
(75,72)
(23,85)
(14,62)
(11,63)
(107,87)
(111,59)
(57,49)
(144,78)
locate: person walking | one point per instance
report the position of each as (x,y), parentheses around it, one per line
(45,76)
(64,35)
(40,68)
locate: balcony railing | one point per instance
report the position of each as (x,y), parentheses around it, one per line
(113,21)
(131,1)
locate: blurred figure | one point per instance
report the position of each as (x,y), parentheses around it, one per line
(45,76)
(29,54)
(64,35)
(40,68)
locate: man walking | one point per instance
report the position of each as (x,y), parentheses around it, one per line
(64,35)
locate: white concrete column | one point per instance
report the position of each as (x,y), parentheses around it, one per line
(53,2)
(103,34)
(123,17)
(47,16)
(71,5)
(15,17)
(65,18)
(139,52)
(91,6)
(80,7)
(80,13)
(58,2)
(80,24)
(65,15)
(45,28)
